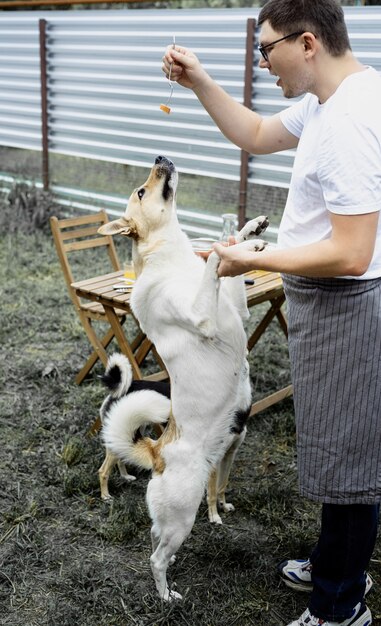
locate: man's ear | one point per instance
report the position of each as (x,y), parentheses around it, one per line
(310,44)
(117,227)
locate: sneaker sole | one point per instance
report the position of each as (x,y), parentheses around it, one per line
(307,588)
(304,587)
(364,620)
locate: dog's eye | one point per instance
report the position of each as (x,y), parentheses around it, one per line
(141,193)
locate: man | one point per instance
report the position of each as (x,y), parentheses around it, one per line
(329,253)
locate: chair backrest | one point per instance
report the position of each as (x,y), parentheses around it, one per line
(80,233)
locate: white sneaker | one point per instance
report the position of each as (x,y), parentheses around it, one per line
(296,574)
(361,617)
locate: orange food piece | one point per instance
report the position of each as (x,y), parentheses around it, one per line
(165,108)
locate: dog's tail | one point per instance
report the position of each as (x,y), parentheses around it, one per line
(125,421)
(118,375)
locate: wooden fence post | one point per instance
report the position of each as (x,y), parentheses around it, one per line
(44,105)
(247,100)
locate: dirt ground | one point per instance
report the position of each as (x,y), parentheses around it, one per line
(69,559)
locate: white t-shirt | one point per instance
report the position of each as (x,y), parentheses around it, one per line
(337,168)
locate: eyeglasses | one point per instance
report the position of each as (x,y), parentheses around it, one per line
(262,49)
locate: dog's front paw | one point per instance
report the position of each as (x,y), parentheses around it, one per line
(213,263)
(253,228)
(258,245)
(254,245)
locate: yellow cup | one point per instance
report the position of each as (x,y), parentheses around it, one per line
(129,272)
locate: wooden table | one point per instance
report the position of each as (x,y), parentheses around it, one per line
(267,287)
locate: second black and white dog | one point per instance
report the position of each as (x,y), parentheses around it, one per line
(136,404)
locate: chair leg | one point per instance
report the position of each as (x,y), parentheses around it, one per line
(273,398)
(147,346)
(141,346)
(124,345)
(143,350)
(137,341)
(159,360)
(93,358)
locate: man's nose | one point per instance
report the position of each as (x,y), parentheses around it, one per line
(263,64)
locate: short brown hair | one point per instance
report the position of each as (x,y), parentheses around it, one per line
(324,18)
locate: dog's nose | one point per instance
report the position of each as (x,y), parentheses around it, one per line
(162,160)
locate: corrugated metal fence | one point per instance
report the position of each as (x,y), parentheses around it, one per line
(105,85)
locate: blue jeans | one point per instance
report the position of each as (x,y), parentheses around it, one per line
(341,557)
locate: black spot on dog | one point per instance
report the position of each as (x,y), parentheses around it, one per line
(240,419)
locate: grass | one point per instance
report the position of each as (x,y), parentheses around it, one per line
(68,558)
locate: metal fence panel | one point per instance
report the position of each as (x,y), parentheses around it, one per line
(20,108)
(105,86)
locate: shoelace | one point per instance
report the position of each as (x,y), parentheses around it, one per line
(310,620)
(307,568)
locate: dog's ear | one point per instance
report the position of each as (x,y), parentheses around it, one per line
(117,227)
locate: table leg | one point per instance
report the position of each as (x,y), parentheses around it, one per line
(273,311)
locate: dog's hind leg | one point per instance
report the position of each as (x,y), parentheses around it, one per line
(173,499)
(104,474)
(170,541)
(219,478)
(155,540)
(155,537)
(124,474)
(173,514)
(211,497)
(223,472)
(105,471)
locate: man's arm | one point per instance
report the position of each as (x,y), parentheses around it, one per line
(348,252)
(240,125)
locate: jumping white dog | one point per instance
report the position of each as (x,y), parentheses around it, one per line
(194,320)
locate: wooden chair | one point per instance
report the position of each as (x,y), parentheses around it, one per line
(81,233)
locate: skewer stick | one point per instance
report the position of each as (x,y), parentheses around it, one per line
(164,107)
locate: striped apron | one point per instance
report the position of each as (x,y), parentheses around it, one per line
(335,353)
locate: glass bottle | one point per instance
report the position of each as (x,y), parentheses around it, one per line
(229,226)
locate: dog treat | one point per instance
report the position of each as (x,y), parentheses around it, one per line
(165,108)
